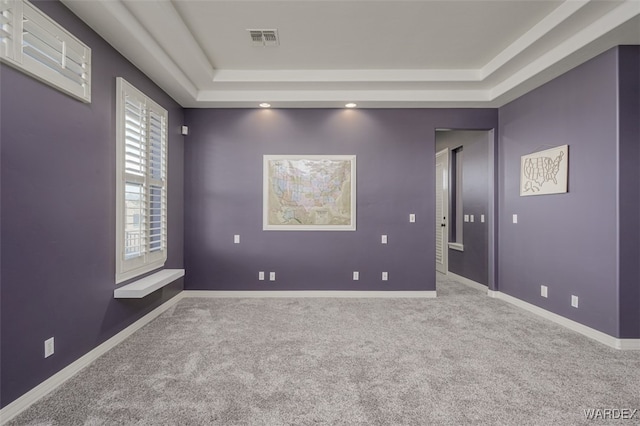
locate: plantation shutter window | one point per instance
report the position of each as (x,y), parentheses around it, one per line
(142,183)
(36,45)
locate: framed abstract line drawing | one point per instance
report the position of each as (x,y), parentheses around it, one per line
(544,172)
(309,193)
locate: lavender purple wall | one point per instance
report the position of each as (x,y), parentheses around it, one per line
(473,262)
(57,265)
(58,215)
(629,189)
(565,241)
(395,177)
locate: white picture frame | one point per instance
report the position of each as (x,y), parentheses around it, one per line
(544,172)
(309,193)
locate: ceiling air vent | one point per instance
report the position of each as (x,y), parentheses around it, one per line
(264,37)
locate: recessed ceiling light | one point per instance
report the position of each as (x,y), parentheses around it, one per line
(351,105)
(265,105)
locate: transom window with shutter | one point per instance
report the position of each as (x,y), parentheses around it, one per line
(35,44)
(142,183)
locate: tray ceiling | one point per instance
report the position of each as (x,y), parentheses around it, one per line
(378,53)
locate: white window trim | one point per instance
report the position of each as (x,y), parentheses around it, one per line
(456,246)
(131,268)
(56,68)
(457,155)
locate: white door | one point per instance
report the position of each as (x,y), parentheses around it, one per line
(442,209)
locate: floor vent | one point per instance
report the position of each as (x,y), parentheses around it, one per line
(264,38)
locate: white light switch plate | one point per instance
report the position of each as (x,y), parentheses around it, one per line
(48,347)
(574,301)
(544,291)
(482,218)
(515,218)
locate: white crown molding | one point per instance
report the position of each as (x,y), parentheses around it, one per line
(349,76)
(542,28)
(179,41)
(177,63)
(339,97)
(115,23)
(580,40)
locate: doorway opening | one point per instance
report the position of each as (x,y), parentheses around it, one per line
(465,206)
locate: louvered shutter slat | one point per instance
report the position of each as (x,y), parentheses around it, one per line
(78,57)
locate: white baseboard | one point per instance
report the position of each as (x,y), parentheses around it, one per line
(29,398)
(614,342)
(629,344)
(311,293)
(493,294)
(53,382)
(467,281)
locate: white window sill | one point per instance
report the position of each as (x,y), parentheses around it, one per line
(147,285)
(456,246)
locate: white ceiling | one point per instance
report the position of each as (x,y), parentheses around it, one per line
(378,53)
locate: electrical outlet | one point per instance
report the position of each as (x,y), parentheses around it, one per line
(48,347)
(466,218)
(574,301)
(482,218)
(412,218)
(385,276)
(272,276)
(356,275)
(472,218)
(236,239)
(261,275)
(384,239)
(544,291)
(515,218)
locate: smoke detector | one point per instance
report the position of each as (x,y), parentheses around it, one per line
(264,38)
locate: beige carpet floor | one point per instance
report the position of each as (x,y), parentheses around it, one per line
(461,358)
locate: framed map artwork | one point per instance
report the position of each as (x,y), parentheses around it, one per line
(544,172)
(309,193)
